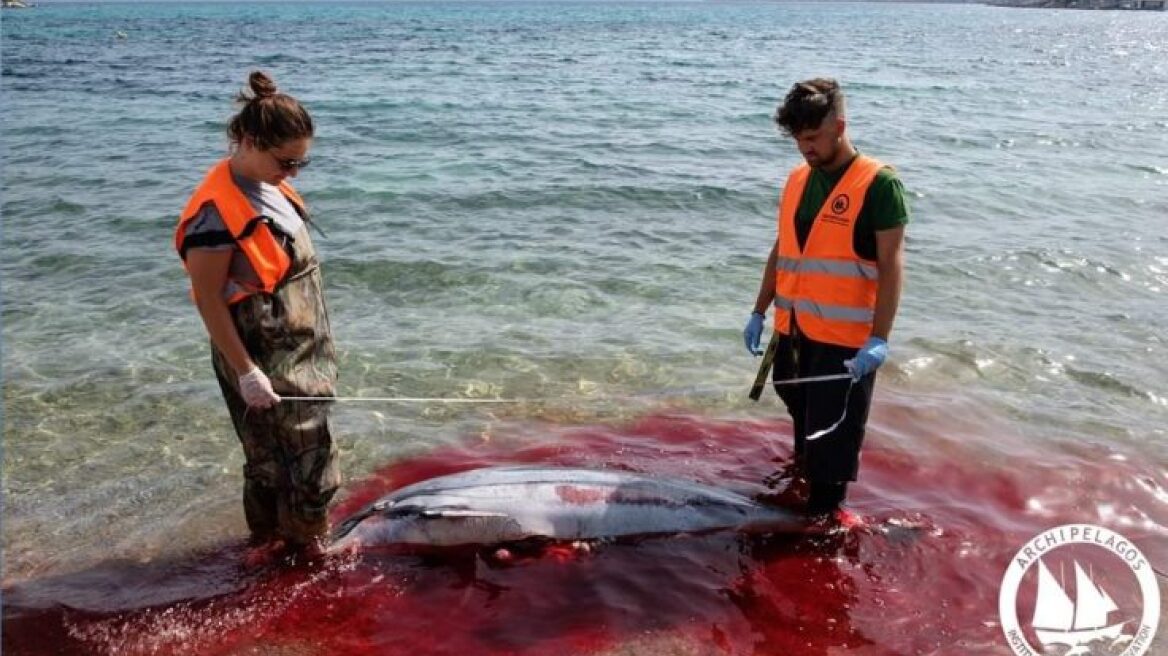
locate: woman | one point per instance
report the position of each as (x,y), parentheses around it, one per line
(255,279)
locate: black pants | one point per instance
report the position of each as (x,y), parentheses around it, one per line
(832,459)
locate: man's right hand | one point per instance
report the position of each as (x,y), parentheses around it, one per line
(256,389)
(752,334)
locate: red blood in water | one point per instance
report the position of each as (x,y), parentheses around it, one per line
(942,521)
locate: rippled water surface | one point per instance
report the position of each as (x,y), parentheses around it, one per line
(570,204)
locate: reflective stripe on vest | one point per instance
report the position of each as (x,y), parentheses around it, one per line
(826,285)
(835,312)
(833,267)
(251,232)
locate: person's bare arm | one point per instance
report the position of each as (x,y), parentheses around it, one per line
(766,291)
(208,270)
(890,246)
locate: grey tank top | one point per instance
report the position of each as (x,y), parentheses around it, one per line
(267,201)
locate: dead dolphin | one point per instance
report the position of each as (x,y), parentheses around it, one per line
(497,505)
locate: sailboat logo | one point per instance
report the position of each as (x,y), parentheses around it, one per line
(1060,621)
(1074,625)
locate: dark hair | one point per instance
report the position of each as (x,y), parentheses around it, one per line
(808,103)
(269,117)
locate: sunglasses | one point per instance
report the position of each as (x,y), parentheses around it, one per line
(291,164)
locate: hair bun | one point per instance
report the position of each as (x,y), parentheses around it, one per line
(267,117)
(261,85)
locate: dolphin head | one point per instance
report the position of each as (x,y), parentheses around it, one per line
(387,523)
(380,523)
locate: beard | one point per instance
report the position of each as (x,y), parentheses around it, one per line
(824,157)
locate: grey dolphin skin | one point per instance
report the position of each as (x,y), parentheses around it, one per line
(496,505)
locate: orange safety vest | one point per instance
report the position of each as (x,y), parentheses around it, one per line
(251,231)
(830,288)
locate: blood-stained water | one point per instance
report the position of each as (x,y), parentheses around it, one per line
(942,519)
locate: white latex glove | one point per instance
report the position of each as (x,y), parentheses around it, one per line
(256,389)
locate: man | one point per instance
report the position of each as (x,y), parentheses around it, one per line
(834,278)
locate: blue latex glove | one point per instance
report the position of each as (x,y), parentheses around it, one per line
(752,334)
(868,359)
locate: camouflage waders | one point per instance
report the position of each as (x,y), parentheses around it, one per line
(291,471)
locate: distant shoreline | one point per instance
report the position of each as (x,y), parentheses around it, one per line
(1126,5)
(1132,5)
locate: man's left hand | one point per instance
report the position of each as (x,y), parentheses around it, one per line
(868,359)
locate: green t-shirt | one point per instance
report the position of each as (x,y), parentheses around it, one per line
(884,207)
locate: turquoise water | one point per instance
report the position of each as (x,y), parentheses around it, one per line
(569,204)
